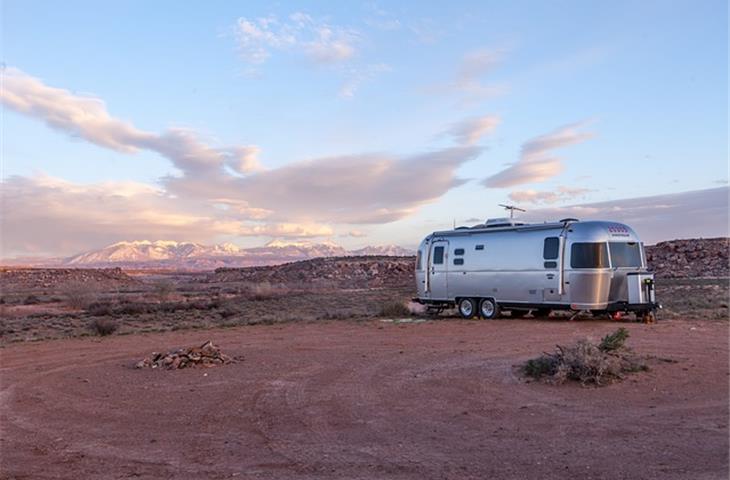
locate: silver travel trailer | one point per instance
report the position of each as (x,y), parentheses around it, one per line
(508,265)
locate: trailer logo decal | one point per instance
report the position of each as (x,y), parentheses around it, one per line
(618,231)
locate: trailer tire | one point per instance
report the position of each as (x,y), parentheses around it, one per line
(467,308)
(488,309)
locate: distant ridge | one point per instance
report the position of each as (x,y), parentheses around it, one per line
(169,254)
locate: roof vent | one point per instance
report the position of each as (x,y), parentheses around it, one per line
(502,222)
(567,220)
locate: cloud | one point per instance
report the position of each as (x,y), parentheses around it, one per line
(46,215)
(471,130)
(535,165)
(468,83)
(79,115)
(380,18)
(355,234)
(86,116)
(218,191)
(301,33)
(561,193)
(357,76)
(357,189)
(693,214)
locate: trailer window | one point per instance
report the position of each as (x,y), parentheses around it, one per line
(438,255)
(459,251)
(550,249)
(418,260)
(625,254)
(479,247)
(458,261)
(589,255)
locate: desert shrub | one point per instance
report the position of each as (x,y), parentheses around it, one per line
(586,362)
(260,291)
(135,308)
(394,309)
(614,341)
(228,311)
(100,308)
(163,289)
(78,294)
(31,300)
(103,326)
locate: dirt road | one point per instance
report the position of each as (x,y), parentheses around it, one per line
(366,400)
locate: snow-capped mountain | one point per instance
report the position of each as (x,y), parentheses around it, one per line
(144,251)
(195,256)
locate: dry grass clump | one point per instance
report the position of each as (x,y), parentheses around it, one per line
(394,309)
(103,326)
(78,294)
(586,362)
(163,289)
(261,291)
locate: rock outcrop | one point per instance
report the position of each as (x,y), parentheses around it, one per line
(693,258)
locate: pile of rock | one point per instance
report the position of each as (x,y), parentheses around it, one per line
(206,355)
(693,258)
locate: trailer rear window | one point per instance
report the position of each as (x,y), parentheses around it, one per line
(625,254)
(589,255)
(418,260)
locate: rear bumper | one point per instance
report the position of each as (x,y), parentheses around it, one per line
(633,307)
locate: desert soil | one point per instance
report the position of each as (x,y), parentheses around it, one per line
(371,399)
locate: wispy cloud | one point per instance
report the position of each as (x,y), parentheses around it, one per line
(655,218)
(86,117)
(535,165)
(471,130)
(559,194)
(357,76)
(469,83)
(301,33)
(378,17)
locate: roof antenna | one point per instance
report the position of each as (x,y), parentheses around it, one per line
(511,209)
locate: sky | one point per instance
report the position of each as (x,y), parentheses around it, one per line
(362,123)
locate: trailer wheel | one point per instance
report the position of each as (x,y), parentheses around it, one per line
(488,309)
(467,307)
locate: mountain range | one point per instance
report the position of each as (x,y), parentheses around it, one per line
(167,254)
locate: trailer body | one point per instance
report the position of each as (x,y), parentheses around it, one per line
(573,265)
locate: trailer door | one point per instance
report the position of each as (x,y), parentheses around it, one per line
(438,270)
(552,264)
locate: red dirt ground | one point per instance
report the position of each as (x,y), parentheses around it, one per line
(439,399)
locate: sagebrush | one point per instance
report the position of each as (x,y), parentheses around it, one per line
(394,309)
(103,326)
(586,362)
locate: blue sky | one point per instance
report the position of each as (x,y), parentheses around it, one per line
(335,102)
